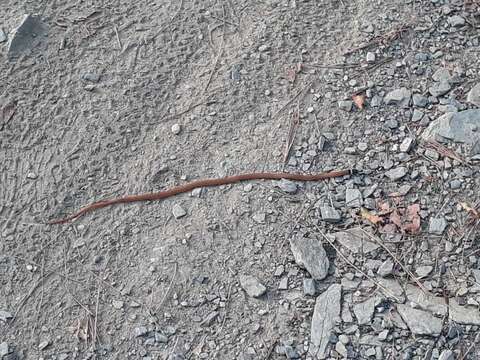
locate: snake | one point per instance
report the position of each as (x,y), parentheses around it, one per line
(202,183)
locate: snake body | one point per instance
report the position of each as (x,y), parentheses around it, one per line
(200,184)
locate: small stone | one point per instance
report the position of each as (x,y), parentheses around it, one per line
(432,154)
(420,322)
(456,21)
(461,126)
(423,271)
(291,352)
(376,101)
(31,175)
(252,286)
(310,255)
(5,315)
(309,287)
(362,146)
(356,240)
(283,285)
(398,97)
(330,214)
(406,145)
(341,349)
(117,304)
(279,271)
(455,184)
(397,173)
(383,335)
(209,319)
(288,186)
(310,109)
(140,331)
(95,78)
(437,226)
(473,96)
(442,74)
(439,89)
(419,100)
(353,198)
(447,355)
(386,268)
(160,338)
(370,352)
(3,36)
(176,128)
(263,48)
(392,123)
(178,212)
(89,87)
(417,115)
(4,349)
(43,345)
(345,105)
(364,311)
(370,57)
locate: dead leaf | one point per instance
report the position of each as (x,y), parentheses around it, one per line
(359,100)
(414,219)
(374,219)
(396,219)
(470,210)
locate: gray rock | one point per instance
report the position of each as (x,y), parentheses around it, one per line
(459,126)
(178,211)
(398,97)
(330,214)
(397,173)
(423,271)
(392,124)
(4,349)
(176,129)
(456,21)
(291,352)
(92,77)
(43,344)
(160,338)
(417,115)
(432,154)
(345,105)
(310,254)
(426,301)
(344,339)
(3,36)
(406,144)
(364,311)
(447,355)
(437,226)
(391,289)
(326,315)
(29,34)
(309,287)
(420,322)
(341,349)
(283,285)
(5,315)
(455,184)
(473,96)
(376,101)
(442,74)
(355,240)
(370,57)
(252,286)
(465,315)
(209,319)
(440,88)
(287,186)
(140,331)
(386,268)
(353,198)
(419,100)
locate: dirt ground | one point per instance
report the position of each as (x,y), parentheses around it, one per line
(125,97)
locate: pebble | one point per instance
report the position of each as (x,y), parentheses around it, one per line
(364,311)
(263,48)
(406,145)
(283,285)
(92,77)
(417,115)
(362,146)
(353,198)
(176,129)
(5,315)
(473,96)
(456,21)
(140,331)
(4,349)
(439,89)
(3,36)
(341,349)
(309,287)
(386,268)
(118,304)
(160,338)
(310,255)
(432,154)
(423,271)
(437,225)
(398,97)
(252,286)
(355,240)
(370,57)
(419,100)
(178,211)
(397,173)
(43,345)
(392,123)
(420,322)
(288,186)
(455,184)
(447,355)
(345,105)
(31,175)
(330,214)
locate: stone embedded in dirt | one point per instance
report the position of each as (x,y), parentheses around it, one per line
(26,36)
(330,214)
(406,144)
(140,331)
(5,315)
(437,225)
(287,185)
(442,74)
(353,198)
(356,240)
(43,345)
(458,126)
(160,338)
(420,299)
(309,287)
(391,289)
(283,285)
(4,350)
(420,322)
(209,319)
(473,96)
(118,304)
(326,315)
(417,115)
(310,254)
(386,268)
(466,315)
(456,21)
(345,105)
(440,88)
(259,217)
(3,36)
(423,271)
(370,57)
(92,77)
(178,211)
(447,355)
(176,129)
(397,173)
(364,311)
(252,286)
(398,97)
(419,100)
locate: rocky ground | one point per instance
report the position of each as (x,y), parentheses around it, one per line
(101,99)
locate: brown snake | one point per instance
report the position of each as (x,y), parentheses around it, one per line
(199,184)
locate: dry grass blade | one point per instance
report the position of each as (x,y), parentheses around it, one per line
(446,152)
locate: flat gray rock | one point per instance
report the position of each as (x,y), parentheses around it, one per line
(326,315)
(423,271)
(5,315)
(426,301)
(447,355)
(364,311)
(459,126)
(386,268)
(397,173)
(356,240)
(465,315)
(3,36)
(473,96)
(398,97)
(437,226)
(4,349)
(310,255)
(391,289)
(29,34)
(420,322)
(288,186)
(353,198)
(440,88)
(330,214)
(178,212)
(252,286)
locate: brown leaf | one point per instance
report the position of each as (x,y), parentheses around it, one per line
(291,75)
(396,219)
(414,218)
(470,210)
(374,219)
(359,100)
